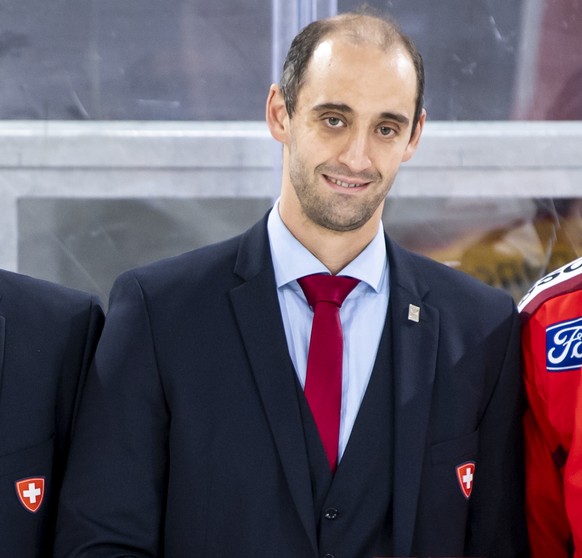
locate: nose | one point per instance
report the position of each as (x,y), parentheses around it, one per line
(355,152)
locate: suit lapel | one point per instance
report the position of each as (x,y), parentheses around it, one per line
(415,346)
(257,311)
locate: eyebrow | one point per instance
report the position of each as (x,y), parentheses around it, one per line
(341,107)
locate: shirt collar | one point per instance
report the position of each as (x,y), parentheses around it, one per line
(291,260)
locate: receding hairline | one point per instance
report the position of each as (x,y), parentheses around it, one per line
(364,29)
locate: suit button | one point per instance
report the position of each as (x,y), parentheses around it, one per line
(330,513)
(328,556)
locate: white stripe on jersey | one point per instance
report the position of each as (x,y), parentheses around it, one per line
(564,279)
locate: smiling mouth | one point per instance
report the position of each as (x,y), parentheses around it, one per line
(345,184)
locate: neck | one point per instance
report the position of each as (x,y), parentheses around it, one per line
(333,249)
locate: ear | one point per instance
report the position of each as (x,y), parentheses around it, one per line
(415,138)
(276,114)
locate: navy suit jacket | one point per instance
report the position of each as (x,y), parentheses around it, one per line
(47,339)
(190,441)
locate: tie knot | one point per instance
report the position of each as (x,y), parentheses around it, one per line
(327,288)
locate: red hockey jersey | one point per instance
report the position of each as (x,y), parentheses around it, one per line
(552,351)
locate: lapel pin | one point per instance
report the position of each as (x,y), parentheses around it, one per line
(413,313)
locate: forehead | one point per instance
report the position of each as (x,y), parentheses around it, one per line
(361,75)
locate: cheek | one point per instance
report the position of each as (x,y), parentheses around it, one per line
(310,155)
(389,159)
(313,147)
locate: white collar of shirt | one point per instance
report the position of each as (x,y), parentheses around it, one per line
(291,260)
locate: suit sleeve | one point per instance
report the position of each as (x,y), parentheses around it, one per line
(498,514)
(86,329)
(113,494)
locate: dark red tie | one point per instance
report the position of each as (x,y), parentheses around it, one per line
(323,383)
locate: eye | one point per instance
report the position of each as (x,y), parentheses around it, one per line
(386,131)
(333,121)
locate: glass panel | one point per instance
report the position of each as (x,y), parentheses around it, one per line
(494,59)
(506,242)
(135,59)
(200,60)
(86,243)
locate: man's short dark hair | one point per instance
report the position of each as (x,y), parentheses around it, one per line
(360,27)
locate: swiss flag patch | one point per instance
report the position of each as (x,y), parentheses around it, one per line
(465,476)
(30,492)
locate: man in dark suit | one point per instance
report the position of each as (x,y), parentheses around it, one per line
(198,434)
(48,335)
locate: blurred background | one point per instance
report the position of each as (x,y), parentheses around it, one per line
(132,131)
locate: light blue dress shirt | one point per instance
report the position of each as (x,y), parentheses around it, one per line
(362,314)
